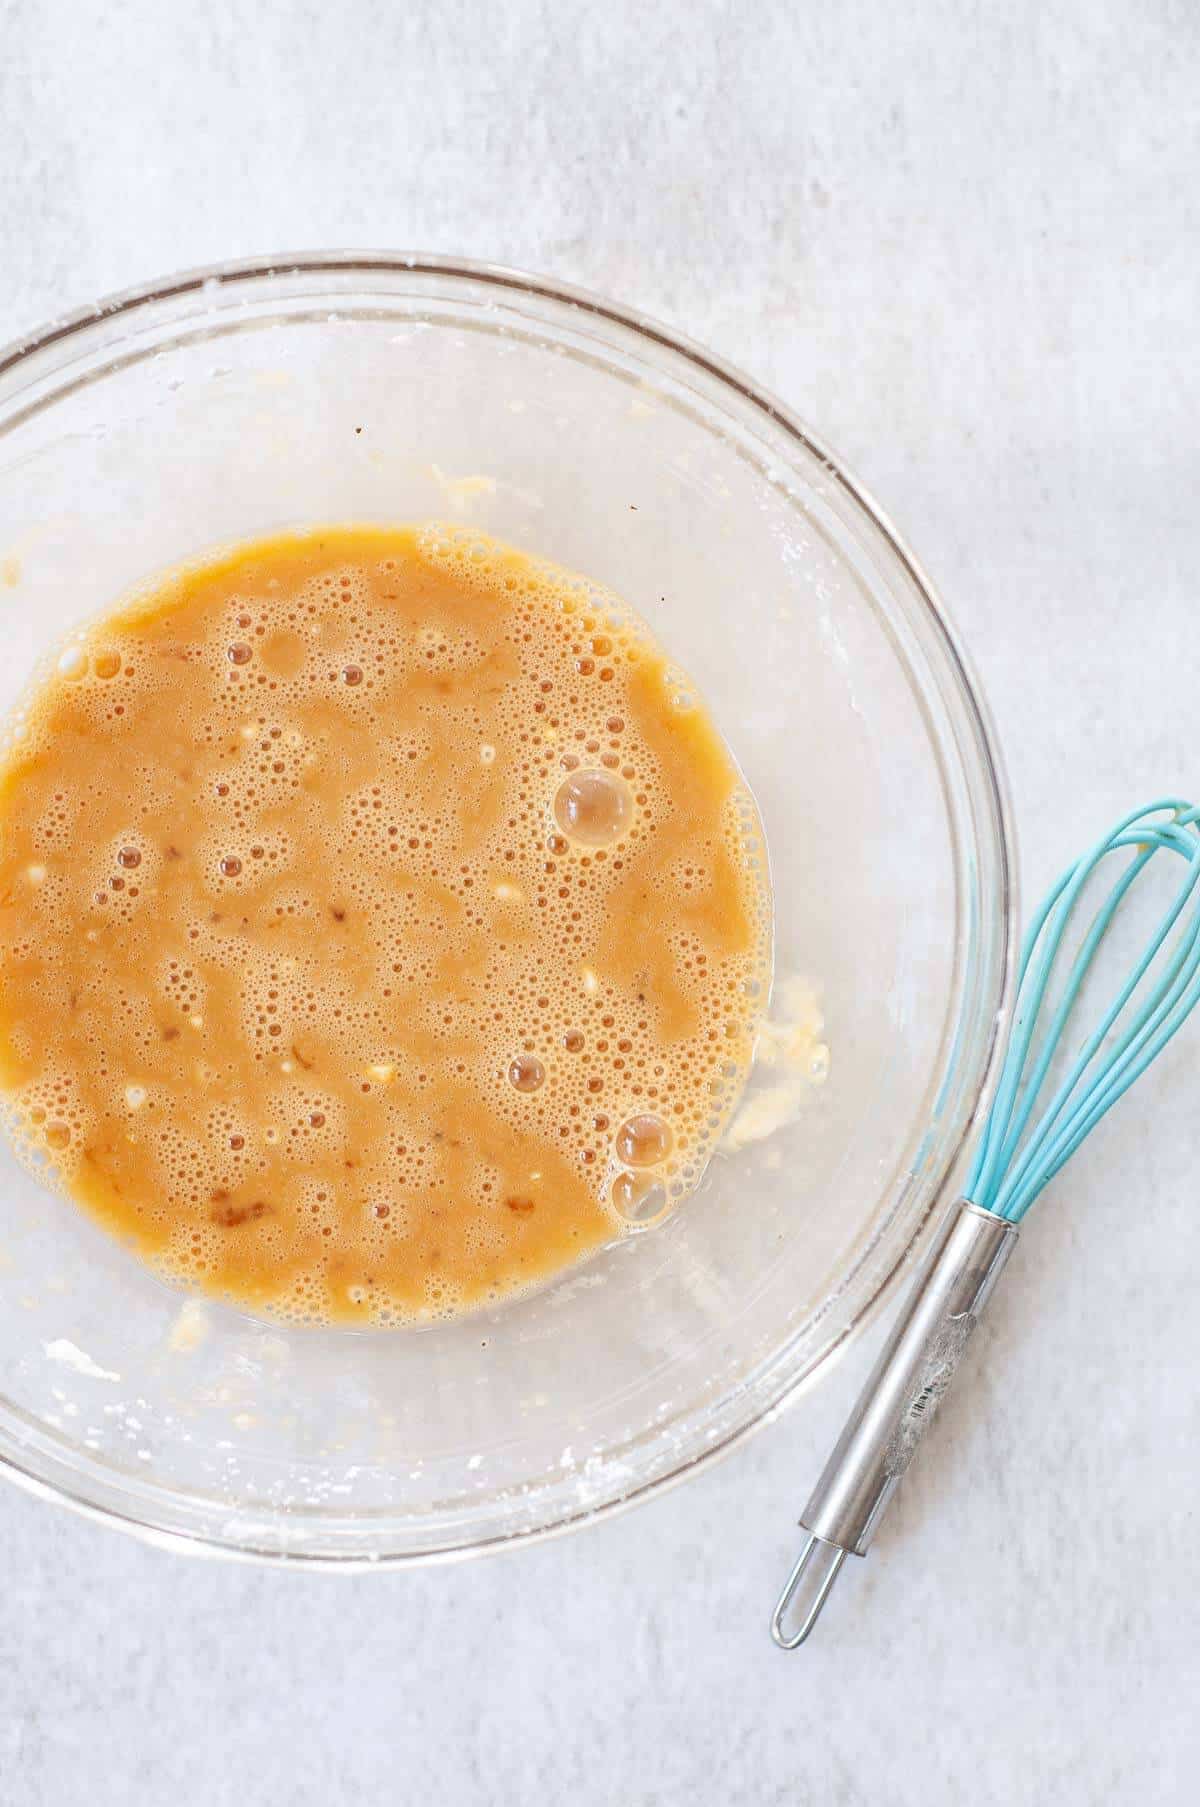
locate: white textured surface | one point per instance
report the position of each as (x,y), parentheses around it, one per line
(964,244)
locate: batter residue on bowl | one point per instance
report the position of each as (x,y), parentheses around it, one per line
(383,924)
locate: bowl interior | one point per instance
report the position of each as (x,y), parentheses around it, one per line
(355,390)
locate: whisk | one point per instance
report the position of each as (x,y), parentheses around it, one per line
(1025,1143)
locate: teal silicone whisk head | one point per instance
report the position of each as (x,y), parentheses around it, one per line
(1048,1098)
(1025,1143)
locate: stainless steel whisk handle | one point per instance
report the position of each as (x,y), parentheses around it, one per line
(896,1406)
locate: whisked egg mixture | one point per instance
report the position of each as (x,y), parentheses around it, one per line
(383,924)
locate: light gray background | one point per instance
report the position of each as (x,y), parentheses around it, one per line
(962,239)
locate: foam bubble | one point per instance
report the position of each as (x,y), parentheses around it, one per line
(593,808)
(638,1199)
(644,1140)
(526,1073)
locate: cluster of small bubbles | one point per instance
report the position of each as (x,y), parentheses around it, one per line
(48,1123)
(56,823)
(435,993)
(181,989)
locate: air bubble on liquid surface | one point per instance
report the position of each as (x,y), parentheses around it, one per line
(592,808)
(526,1073)
(644,1140)
(638,1199)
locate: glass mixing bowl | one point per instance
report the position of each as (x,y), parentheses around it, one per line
(352,387)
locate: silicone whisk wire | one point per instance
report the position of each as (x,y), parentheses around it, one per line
(1025,1142)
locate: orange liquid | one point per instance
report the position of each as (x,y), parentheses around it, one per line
(381,928)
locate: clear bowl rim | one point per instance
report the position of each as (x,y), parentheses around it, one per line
(508,279)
